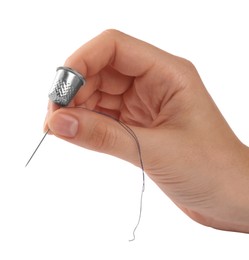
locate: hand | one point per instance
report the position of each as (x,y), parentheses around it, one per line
(188,149)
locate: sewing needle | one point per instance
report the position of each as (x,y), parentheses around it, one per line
(37,148)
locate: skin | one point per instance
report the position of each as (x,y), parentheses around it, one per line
(188,148)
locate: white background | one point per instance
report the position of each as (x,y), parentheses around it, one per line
(71,203)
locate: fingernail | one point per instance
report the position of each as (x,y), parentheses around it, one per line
(64,125)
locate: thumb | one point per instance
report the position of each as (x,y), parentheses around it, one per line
(93,131)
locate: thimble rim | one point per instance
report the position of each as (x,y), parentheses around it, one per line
(82,78)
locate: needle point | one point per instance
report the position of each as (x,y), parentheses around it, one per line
(36,148)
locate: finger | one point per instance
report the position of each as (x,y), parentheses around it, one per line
(110,101)
(102,100)
(108,112)
(93,131)
(50,109)
(126,54)
(113,82)
(108,81)
(87,91)
(92,101)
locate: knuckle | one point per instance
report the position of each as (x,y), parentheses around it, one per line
(111,32)
(187,66)
(185,73)
(102,137)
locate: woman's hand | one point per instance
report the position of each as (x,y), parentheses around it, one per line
(187,147)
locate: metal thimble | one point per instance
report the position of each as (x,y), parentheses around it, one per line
(66,84)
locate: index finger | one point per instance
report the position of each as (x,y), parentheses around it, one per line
(124,53)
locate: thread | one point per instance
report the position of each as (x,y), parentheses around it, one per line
(134,136)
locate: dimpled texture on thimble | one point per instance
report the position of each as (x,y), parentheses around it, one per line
(66,84)
(62,92)
(62,88)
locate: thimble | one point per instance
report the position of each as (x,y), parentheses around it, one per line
(66,84)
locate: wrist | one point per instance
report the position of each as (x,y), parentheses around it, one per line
(228,207)
(233,207)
